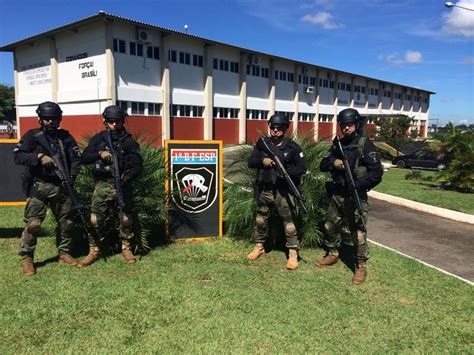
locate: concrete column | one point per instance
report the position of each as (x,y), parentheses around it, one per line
(379,99)
(366,106)
(208,93)
(109,58)
(336,98)
(17,89)
(296,99)
(402,100)
(165,88)
(316,104)
(271,87)
(351,99)
(411,102)
(54,69)
(392,94)
(243,97)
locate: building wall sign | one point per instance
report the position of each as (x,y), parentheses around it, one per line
(70,58)
(36,74)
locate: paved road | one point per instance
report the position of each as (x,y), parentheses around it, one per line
(441,242)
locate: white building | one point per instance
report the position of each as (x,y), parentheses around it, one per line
(180,86)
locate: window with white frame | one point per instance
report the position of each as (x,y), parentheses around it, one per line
(154,109)
(138,108)
(257,114)
(325,117)
(123,105)
(186,111)
(306,117)
(226,112)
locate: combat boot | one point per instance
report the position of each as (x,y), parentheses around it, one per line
(330,259)
(360,274)
(127,253)
(65,258)
(92,257)
(257,252)
(28,266)
(292,259)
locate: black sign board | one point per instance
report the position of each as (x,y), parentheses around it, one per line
(10,177)
(194,186)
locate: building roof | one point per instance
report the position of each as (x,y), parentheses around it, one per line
(106,16)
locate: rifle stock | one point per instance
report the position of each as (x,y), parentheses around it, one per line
(282,171)
(350,182)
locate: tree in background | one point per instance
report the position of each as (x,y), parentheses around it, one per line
(395,130)
(457,147)
(7,103)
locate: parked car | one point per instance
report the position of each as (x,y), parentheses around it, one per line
(419,159)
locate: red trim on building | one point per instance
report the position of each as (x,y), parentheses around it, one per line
(146,127)
(226,130)
(306,129)
(254,129)
(325,131)
(188,128)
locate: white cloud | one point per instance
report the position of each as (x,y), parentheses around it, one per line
(410,57)
(324,19)
(413,57)
(460,21)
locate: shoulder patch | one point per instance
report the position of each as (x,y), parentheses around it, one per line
(76,151)
(373,157)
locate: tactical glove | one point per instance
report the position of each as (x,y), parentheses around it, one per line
(46,160)
(267,162)
(105,155)
(338,164)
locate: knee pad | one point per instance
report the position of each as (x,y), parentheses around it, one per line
(94,220)
(126,219)
(290,229)
(330,228)
(360,237)
(68,225)
(33,225)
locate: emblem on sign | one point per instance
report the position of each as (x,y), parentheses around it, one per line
(194,178)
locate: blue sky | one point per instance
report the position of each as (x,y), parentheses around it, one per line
(418,43)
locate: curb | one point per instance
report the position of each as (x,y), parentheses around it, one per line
(418,206)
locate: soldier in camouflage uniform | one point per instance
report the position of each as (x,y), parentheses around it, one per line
(104,198)
(272,190)
(344,222)
(43,187)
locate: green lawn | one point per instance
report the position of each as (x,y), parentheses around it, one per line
(205,297)
(394,183)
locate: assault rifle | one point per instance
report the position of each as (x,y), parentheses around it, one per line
(282,171)
(115,171)
(62,172)
(350,182)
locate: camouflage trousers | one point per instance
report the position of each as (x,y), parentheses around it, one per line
(286,211)
(344,225)
(104,204)
(44,195)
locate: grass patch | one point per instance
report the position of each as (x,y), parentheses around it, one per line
(394,183)
(206,297)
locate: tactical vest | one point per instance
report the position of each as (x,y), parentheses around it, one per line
(359,170)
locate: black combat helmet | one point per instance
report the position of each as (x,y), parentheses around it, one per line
(114,112)
(348,115)
(279,120)
(49,110)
